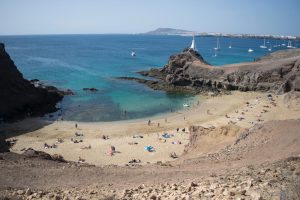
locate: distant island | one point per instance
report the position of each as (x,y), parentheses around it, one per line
(171,31)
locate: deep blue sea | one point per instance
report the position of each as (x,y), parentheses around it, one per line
(78,61)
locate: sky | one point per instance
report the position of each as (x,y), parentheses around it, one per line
(25,17)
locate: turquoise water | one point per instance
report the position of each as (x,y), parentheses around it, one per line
(79,61)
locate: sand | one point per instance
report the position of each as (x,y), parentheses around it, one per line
(243,109)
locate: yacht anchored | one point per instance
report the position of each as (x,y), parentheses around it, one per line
(290,46)
(263,46)
(250,50)
(193,45)
(218,47)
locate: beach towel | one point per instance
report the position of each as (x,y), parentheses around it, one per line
(149,148)
(167,135)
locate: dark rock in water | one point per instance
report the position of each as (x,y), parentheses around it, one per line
(188,69)
(70,92)
(90,89)
(18,97)
(38,84)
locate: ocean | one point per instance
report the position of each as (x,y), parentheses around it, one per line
(84,61)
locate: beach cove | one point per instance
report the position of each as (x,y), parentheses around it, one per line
(95,61)
(131,137)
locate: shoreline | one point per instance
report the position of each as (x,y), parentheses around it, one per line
(212,112)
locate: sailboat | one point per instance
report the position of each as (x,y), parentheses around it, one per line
(290,45)
(263,46)
(230,45)
(193,45)
(133,54)
(218,45)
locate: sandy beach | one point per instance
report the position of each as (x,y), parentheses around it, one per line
(131,137)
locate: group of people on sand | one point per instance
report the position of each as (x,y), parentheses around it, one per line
(47,146)
(250,106)
(105,137)
(183,130)
(112,149)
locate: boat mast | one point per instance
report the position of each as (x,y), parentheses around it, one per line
(193,45)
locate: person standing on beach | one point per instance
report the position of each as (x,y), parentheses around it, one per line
(158,124)
(76,125)
(149,122)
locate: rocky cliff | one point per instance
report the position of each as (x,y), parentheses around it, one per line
(20,98)
(188,69)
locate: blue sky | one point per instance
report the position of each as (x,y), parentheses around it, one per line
(136,16)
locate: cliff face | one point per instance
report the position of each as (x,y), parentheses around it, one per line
(20,98)
(278,75)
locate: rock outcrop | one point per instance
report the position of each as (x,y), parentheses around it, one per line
(90,89)
(278,74)
(4,146)
(19,97)
(43,155)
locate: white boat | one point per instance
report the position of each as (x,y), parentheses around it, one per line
(193,45)
(185,105)
(290,46)
(263,46)
(218,47)
(250,50)
(230,45)
(270,47)
(133,54)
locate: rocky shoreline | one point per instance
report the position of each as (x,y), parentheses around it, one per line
(20,98)
(189,72)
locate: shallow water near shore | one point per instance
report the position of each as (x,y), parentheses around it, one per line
(79,61)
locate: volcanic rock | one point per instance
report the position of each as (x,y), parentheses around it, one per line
(18,97)
(90,89)
(188,69)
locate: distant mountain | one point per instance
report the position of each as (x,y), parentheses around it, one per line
(169,31)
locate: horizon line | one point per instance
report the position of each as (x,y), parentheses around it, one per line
(146,33)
